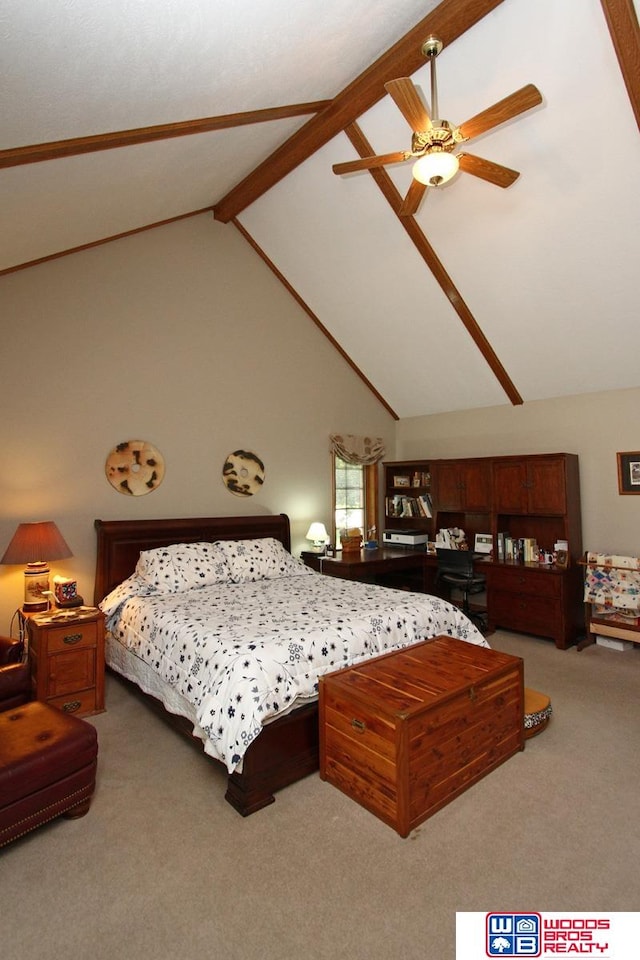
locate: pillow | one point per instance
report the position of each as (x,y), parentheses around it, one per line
(182,566)
(264,559)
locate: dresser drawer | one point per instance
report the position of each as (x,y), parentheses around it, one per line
(526,612)
(72,636)
(520,580)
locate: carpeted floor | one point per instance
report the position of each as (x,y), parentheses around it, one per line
(163,867)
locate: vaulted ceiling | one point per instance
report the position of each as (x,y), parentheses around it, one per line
(118,116)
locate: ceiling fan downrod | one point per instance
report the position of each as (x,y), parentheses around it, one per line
(436,163)
(430,49)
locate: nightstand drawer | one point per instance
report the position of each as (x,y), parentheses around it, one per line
(71,637)
(82,703)
(71,671)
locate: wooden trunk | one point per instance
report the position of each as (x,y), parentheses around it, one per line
(405,733)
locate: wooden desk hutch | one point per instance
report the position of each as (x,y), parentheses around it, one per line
(535,496)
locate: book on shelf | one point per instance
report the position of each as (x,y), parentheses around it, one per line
(405,506)
(523,549)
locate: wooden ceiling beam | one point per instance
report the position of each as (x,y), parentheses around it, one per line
(16,156)
(622,21)
(434,264)
(449,20)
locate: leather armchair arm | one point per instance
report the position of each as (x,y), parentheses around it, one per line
(15,685)
(11,650)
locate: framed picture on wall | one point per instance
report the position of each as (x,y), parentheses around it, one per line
(629,472)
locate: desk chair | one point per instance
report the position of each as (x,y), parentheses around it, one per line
(455,568)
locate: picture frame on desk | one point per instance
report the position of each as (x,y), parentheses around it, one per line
(628,472)
(562,559)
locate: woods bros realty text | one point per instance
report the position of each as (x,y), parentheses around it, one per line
(575,936)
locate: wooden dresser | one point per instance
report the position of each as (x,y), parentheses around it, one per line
(543,601)
(405,733)
(66,658)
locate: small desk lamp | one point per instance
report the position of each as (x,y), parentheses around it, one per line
(31,542)
(318,533)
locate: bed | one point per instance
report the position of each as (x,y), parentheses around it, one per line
(226,633)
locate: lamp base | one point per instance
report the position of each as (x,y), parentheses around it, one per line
(36,584)
(33,606)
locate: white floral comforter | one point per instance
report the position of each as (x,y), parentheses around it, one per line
(244,653)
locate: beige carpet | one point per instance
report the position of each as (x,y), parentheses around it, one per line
(163,867)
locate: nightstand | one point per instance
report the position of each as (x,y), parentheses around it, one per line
(66,657)
(312,559)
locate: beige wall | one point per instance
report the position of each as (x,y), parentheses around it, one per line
(595,426)
(180,336)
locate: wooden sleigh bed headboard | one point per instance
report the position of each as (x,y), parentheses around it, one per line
(120,541)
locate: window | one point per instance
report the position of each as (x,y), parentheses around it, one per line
(355,495)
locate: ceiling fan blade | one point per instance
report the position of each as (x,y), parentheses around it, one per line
(487,170)
(366,163)
(413,199)
(405,95)
(523,99)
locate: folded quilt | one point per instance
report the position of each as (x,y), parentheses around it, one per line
(613,581)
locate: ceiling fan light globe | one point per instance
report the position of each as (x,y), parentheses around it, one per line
(435,168)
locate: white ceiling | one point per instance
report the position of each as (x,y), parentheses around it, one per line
(546,268)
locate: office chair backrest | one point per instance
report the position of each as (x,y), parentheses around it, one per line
(459,562)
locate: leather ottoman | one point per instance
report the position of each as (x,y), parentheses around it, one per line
(48,762)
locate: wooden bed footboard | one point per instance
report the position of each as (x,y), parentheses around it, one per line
(286,749)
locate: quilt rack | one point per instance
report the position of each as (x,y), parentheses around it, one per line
(611,597)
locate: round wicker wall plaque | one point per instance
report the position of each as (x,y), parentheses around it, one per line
(135,468)
(243,473)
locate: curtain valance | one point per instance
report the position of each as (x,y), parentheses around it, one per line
(360,450)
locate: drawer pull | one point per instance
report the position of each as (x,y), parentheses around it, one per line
(71,706)
(359,725)
(473,696)
(72,638)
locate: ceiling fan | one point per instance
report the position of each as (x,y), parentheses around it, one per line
(434,140)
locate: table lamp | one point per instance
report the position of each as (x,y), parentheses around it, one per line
(30,544)
(318,533)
